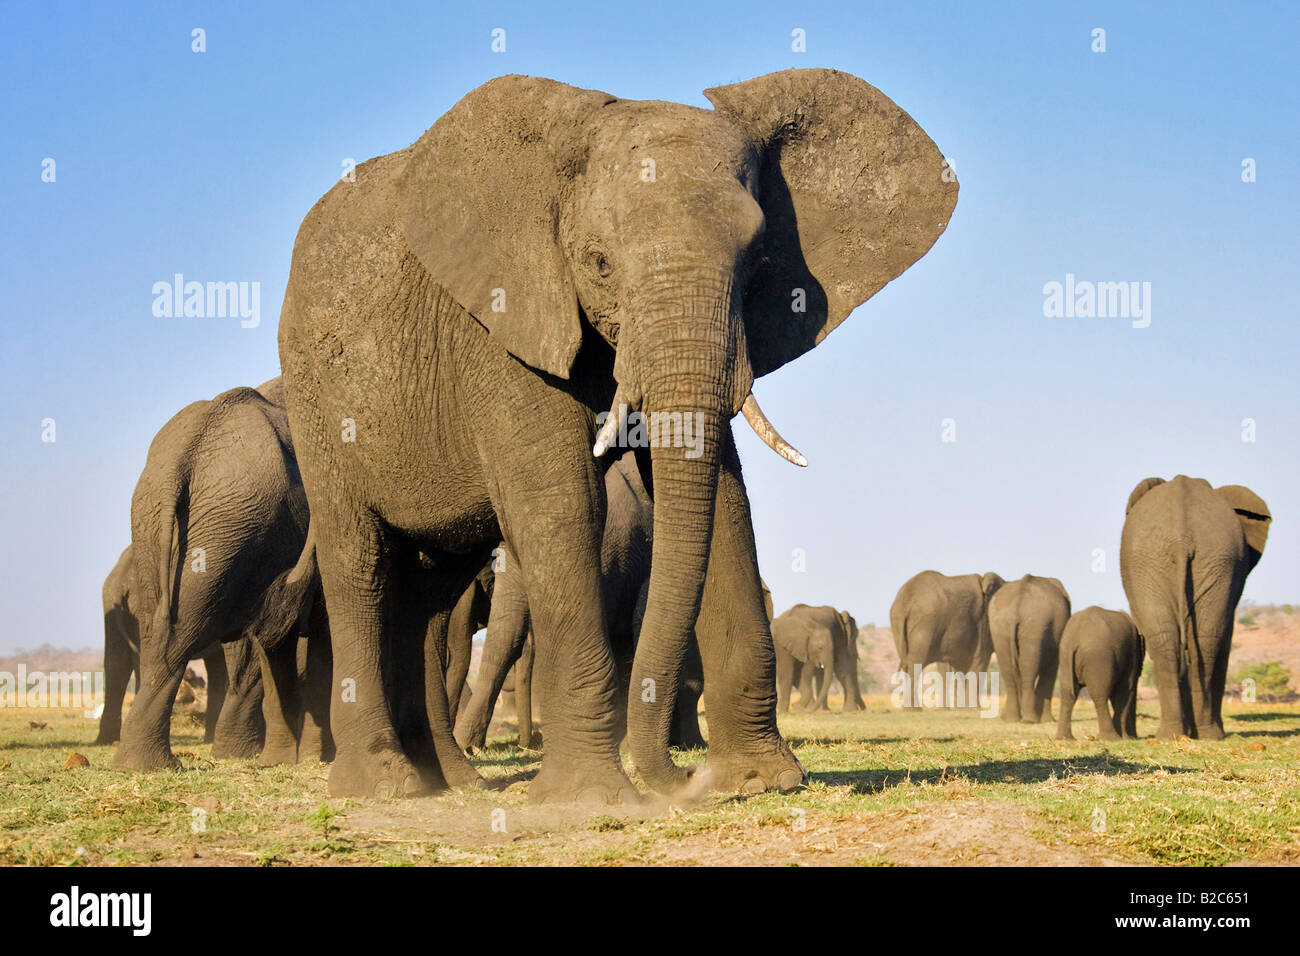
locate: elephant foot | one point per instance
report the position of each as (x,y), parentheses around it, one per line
(590,784)
(1210,732)
(145,759)
(239,748)
(1065,736)
(461,775)
(107,738)
(278,752)
(383,773)
(316,746)
(1164,732)
(755,773)
(471,735)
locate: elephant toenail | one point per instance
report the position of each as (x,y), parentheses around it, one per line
(753,785)
(791,780)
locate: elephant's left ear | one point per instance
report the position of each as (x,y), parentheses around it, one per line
(853,192)
(1252,512)
(479,206)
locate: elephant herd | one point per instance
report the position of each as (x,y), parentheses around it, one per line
(511,356)
(1185,551)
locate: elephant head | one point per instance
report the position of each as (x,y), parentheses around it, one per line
(707,247)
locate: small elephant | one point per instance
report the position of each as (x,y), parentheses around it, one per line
(220,552)
(1185,552)
(242,694)
(1026,619)
(816,643)
(1102,651)
(937,619)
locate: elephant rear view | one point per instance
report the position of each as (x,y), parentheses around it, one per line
(1026,620)
(1102,651)
(937,619)
(1184,556)
(218,537)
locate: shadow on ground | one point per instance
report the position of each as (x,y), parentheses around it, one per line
(993,771)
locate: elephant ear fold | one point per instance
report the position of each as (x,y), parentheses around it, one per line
(853,192)
(990,583)
(1143,486)
(1253,514)
(480,199)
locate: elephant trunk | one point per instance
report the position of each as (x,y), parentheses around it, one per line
(693,378)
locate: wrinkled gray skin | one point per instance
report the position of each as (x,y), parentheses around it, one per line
(243,694)
(937,619)
(1026,619)
(218,526)
(625,576)
(471,613)
(472,303)
(1102,651)
(812,644)
(1184,556)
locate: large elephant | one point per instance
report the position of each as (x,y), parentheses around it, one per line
(812,645)
(937,619)
(626,548)
(238,687)
(1102,651)
(1026,619)
(218,526)
(1184,555)
(467,309)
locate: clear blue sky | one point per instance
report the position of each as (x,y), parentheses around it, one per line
(1115,166)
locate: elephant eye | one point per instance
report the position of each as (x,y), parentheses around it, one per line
(599,262)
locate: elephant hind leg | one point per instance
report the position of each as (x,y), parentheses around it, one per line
(146,733)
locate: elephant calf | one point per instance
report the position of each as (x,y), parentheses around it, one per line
(1026,618)
(816,641)
(1102,651)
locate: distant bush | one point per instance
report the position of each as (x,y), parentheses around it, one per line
(1247,619)
(1271,679)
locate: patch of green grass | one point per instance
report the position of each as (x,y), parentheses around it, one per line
(1186,802)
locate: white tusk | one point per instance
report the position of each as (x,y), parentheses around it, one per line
(609,431)
(767,431)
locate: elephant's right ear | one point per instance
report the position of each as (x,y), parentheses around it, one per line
(853,192)
(1143,486)
(1253,514)
(479,208)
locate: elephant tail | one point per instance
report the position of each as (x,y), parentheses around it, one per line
(287,604)
(169,546)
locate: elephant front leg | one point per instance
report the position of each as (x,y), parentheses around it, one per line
(369,760)
(552,518)
(506,633)
(746,751)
